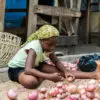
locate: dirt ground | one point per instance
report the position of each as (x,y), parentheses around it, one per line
(3,77)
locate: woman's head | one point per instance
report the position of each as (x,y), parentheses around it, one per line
(44,32)
(49,44)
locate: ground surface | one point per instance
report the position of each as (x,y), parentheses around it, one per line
(5,84)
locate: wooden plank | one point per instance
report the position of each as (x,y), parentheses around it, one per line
(54,20)
(56,11)
(76,22)
(71,4)
(87,21)
(32,17)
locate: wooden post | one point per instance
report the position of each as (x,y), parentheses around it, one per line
(87,23)
(77,19)
(2,13)
(71,4)
(32,17)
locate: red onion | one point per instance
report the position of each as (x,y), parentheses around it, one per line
(42,90)
(33,95)
(72,88)
(12,95)
(59,85)
(91,87)
(90,95)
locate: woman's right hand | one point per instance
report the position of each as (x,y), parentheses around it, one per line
(55,77)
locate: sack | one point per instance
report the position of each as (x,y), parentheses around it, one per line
(87,63)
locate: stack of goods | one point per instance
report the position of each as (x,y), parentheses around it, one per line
(64,91)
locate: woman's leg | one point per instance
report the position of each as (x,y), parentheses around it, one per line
(28,81)
(47,68)
(78,74)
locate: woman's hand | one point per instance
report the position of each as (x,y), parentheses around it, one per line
(55,77)
(69,76)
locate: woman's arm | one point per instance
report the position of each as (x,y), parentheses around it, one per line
(30,61)
(57,62)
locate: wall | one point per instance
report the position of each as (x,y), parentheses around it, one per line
(2,13)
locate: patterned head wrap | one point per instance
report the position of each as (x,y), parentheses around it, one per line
(44,32)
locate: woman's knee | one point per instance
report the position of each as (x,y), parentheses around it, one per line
(29,81)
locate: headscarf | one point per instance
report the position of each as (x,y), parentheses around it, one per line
(44,32)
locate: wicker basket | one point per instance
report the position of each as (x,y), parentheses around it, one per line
(9,44)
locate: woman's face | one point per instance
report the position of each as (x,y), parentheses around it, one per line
(49,44)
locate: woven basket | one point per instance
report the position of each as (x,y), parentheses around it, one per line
(9,44)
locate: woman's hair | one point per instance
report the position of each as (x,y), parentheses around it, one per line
(44,32)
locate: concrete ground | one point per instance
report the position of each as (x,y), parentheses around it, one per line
(80,49)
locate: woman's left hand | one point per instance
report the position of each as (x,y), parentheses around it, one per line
(69,76)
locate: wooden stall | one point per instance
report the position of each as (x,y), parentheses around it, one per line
(67,13)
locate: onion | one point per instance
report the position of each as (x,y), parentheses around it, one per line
(97,95)
(60,91)
(59,96)
(92,82)
(82,91)
(65,88)
(74,69)
(33,95)
(56,90)
(81,87)
(70,98)
(53,92)
(83,96)
(91,87)
(41,96)
(59,85)
(77,61)
(90,95)
(76,96)
(95,99)
(72,88)
(42,90)
(12,95)
(70,79)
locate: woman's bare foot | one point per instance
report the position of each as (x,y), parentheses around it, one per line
(98,69)
(98,65)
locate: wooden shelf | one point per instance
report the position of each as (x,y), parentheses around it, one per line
(56,11)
